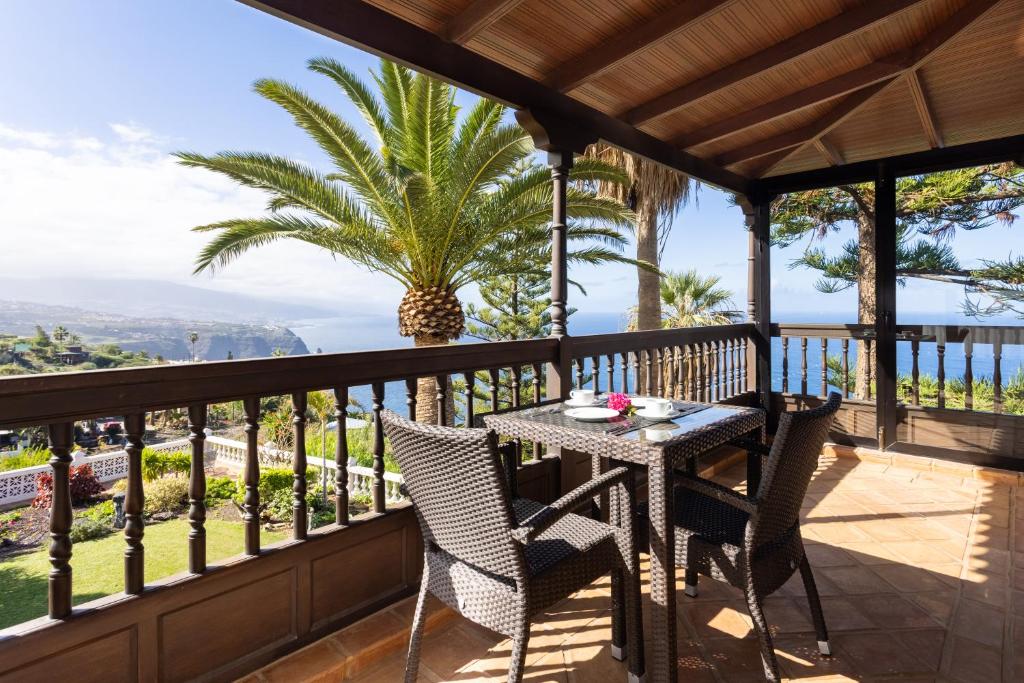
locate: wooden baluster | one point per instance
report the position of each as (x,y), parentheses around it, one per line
(579,373)
(732,346)
(713,377)
(691,374)
(679,378)
(647,364)
(379,501)
(300,515)
(610,369)
(743,365)
(411,389)
(251,501)
(492,375)
(61,515)
(516,373)
(824,366)
(846,368)
(636,372)
(197,490)
(915,371)
(968,374)
(997,376)
(467,393)
(785,365)
(134,526)
(341,456)
(595,367)
(803,366)
(654,371)
(940,349)
(441,384)
(698,362)
(870,357)
(624,367)
(536,399)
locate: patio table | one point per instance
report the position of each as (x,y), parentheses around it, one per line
(659,446)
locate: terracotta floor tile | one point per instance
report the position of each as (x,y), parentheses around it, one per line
(910,579)
(717,618)
(892,611)
(800,659)
(854,580)
(785,616)
(841,614)
(736,660)
(877,653)
(320,662)
(922,552)
(972,662)
(938,604)
(980,622)
(821,555)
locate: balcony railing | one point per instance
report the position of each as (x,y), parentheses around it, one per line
(277,597)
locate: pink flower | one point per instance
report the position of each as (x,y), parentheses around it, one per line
(618,402)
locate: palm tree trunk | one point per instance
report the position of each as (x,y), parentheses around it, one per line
(426,387)
(865,301)
(648,292)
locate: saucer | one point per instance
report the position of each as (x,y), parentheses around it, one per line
(651,416)
(592,414)
(573,403)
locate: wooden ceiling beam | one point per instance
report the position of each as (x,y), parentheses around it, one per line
(581,69)
(838,86)
(920,53)
(372,29)
(924,112)
(828,151)
(793,139)
(844,25)
(475,18)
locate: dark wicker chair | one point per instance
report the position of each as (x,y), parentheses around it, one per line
(498,560)
(753,542)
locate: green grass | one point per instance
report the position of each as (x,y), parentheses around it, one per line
(98,566)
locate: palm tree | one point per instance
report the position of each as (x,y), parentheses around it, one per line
(655,193)
(431,200)
(692,300)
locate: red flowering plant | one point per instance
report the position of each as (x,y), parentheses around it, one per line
(84,486)
(620,402)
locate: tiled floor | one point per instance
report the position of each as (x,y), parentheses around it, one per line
(921,575)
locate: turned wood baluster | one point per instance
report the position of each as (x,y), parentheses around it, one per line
(300,515)
(595,368)
(680,375)
(536,399)
(134,526)
(940,349)
(610,369)
(341,456)
(251,501)
(691,375)
(846,368)
(624,367)
(785,365)
(61,515)
(915,371)
(658,367)
(648,365)
(411,389)
(441,383)
(197,490)
(636,372)
(467,393)
(516,373)
(824,366)
(379,501)
(698,357)
(870,358)
(803,366)
(579,373)
(997,376)
(968,374)
(743,365)
(492,376)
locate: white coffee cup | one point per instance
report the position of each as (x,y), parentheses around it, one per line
(582,395)
(658,406)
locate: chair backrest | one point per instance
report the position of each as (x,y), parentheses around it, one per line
(456,483)
(791,464)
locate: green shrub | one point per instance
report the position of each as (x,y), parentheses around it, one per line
(166,495)
(8,520)
(86,529)
(279,505)
(30,457)
(101,512)
(158,464)
(120,486)
(322,518)
(220,488)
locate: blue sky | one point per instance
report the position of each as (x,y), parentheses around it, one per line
(98,93)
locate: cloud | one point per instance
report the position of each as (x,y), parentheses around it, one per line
(122,208)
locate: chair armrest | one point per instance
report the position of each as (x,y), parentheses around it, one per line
(718,492)
(749,444)
(540,521)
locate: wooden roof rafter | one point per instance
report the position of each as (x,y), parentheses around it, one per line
(478,16)
(924,112)
(959,22)
(829,31)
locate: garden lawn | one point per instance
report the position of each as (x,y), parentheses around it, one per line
(98,566)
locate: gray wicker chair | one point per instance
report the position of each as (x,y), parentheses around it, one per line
(753,542)
(498,560)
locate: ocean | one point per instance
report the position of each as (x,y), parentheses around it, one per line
(371,332)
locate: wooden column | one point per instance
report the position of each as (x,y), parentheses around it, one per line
(885,305)
(758,210)
(61,441)
(197,490)
(559,374)
(134,526)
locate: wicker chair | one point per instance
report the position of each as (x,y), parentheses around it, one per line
(498,560)
(753,542)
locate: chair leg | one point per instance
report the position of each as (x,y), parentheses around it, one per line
(518,660)
(412,663)
(771,665)
(618,616)
(817,615)
(634,624)
(691,583)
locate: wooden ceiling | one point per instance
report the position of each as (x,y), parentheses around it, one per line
(734,90)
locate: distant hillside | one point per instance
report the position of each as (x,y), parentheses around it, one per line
(155,299)
(165,337)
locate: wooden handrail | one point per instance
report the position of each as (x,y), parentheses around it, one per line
(601,344)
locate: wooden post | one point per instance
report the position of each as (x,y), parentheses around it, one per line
(341,455)
(758,210)
(197,489)
(300,515)
(885,305)
(134,526)
(560,373)
(379,500)
(61,441)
